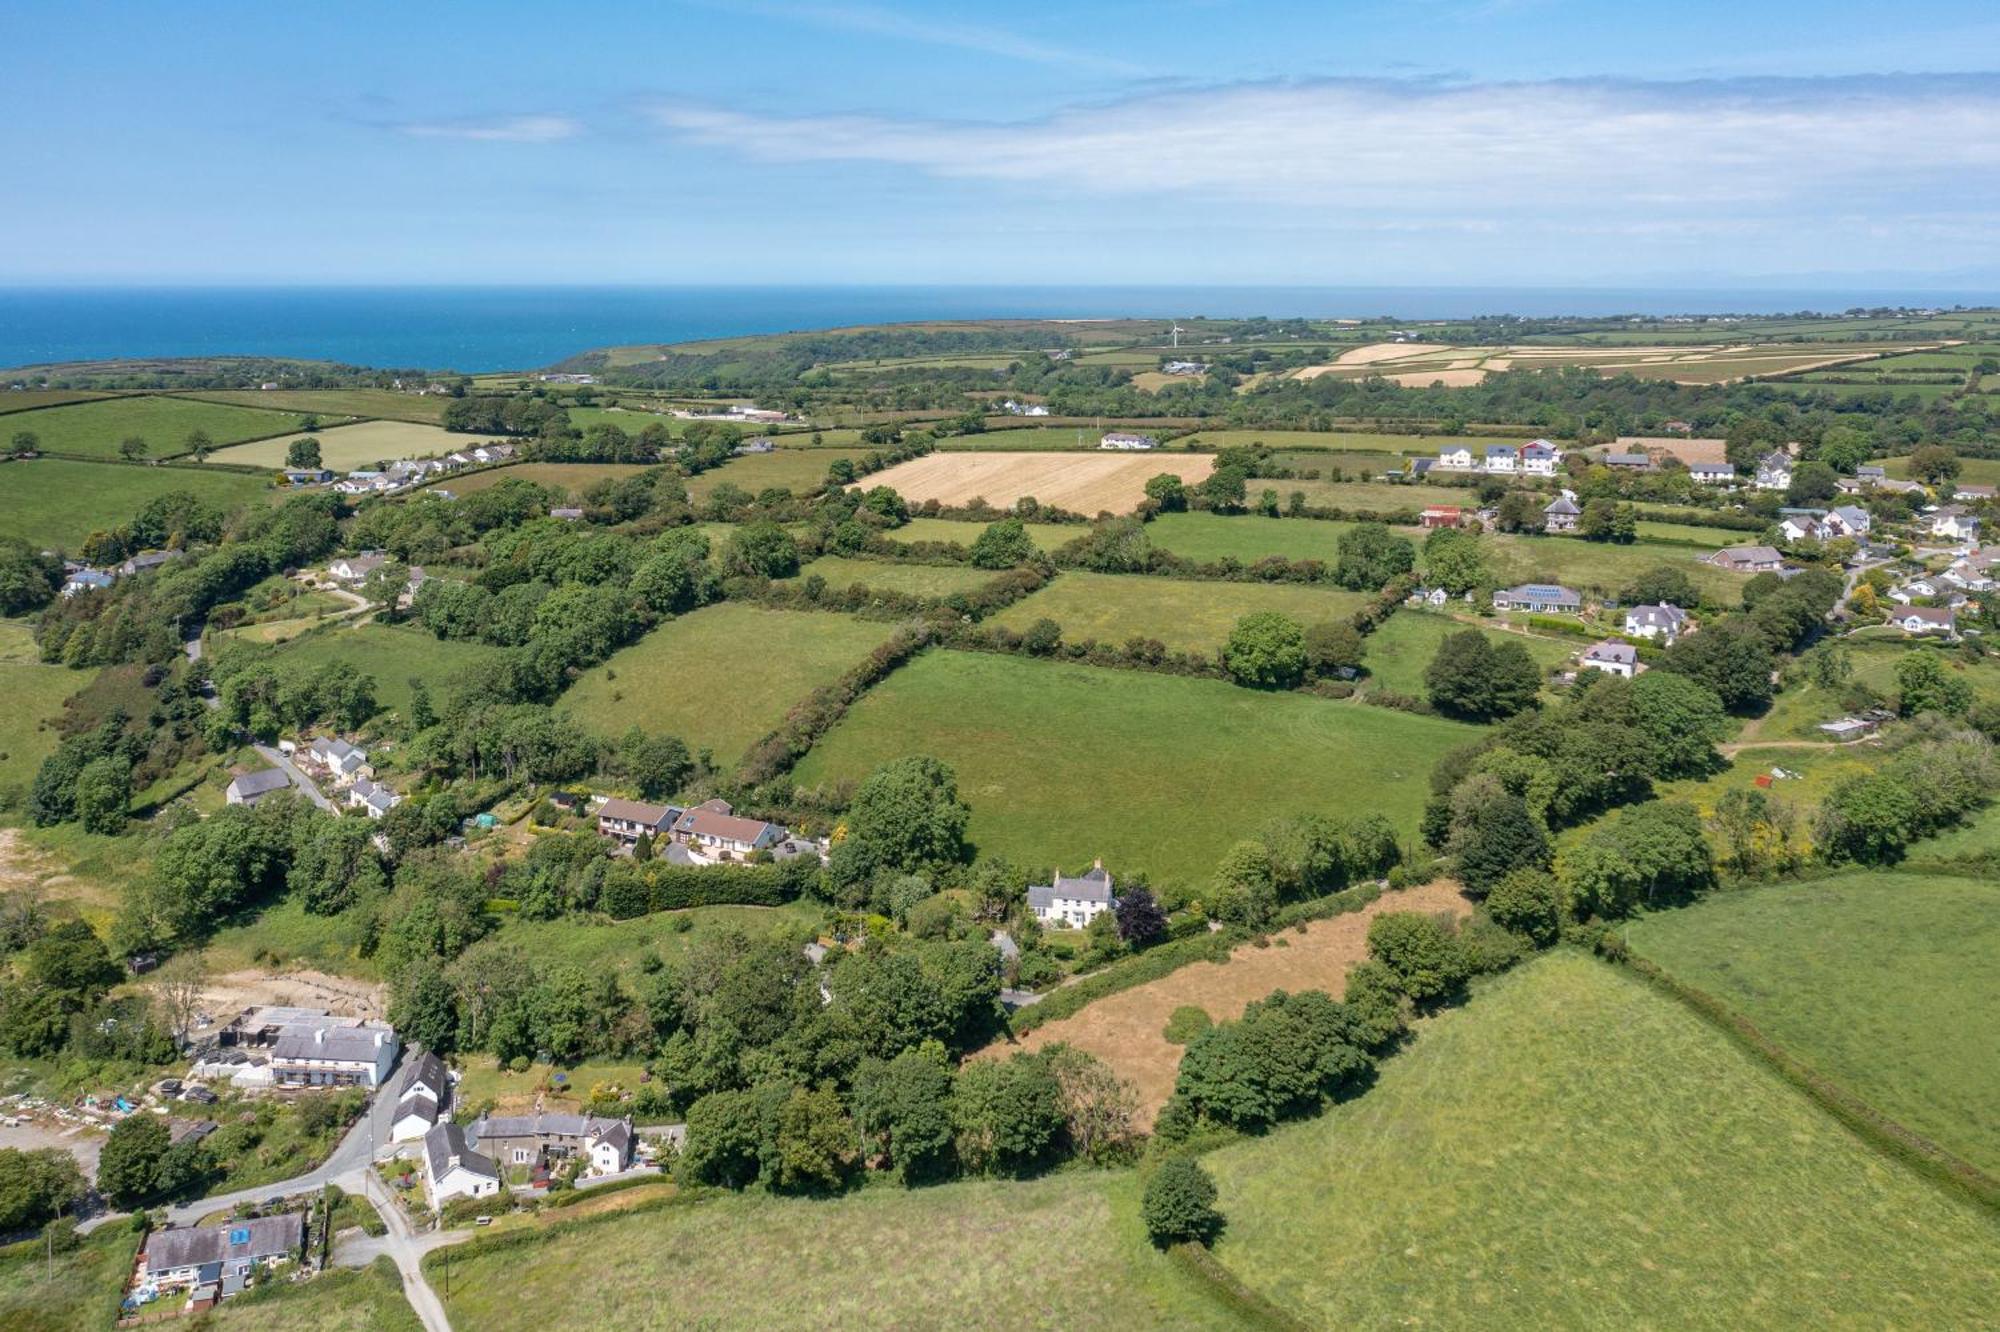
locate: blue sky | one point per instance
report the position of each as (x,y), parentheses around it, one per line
(1379,142)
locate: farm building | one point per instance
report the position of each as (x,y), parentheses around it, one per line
(251,787)
(1712,474)
(1441,515)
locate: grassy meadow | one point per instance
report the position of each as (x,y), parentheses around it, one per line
(1046,536)
(88,1283)
(1185,615)
(350,447)
(796,470)
(571,477)
(918,580)
(601,945)
(1599,566)
(54,503)
(966,1255)
(1061,763)
(35,694)
(1881,981)
(1574,1149)
(394,655)
(95,429)
(333,404)
(364,1299)
(721,678)
(1318,443)
(1400,650)
(1246,538)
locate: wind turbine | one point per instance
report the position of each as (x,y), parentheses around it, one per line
(1177,331)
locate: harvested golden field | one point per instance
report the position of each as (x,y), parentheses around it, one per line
(1127,1030)
(1090,483)
(1419,364)
(1688,449)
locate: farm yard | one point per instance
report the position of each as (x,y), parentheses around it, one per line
(55,503)
(1187,616)
(1893,999)
(346,448)
(95,429)
(1574,1149)
(1127,1029)
(722,677)
(1062,763)
(1086,483)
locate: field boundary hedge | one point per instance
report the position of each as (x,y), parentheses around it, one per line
(810,719)
(1228,1288)
(1877,1129)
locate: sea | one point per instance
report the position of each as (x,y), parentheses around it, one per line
(475,329)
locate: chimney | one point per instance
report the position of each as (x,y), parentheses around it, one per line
(1098,863)
(319,1035)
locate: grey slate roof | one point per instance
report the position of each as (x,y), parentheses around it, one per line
(1560,505)
(425,1071)
(262,782)
(445,1142)
(1621,654)
(263,1237)
(1660,616)
(542,1126)
(1093,885)
(358,1045)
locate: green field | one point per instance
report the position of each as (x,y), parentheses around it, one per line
(331,404)
(1315,443)
(1882,982)
(95,429)
(27,400)
(1046,536)
(969,1255)
(1602,567)
(35,695)
(796,470)
(87,1285)
(1398,652)
(1574,1149)
(603,946)
(347,448)
(1035,438)
(1372,496)
(1801,706)
(1186,615)
(394,655)
(572,477)
(55,503)
(918,580)
(722,678)
(1714,538)
(1062,763)
(1207,538)
(367,1299)
(1973,471)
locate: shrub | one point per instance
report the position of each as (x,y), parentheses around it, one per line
(1426,958)
(1185,1023)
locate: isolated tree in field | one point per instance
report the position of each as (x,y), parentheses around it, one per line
(1266,650)
(1168,491)
(28,579)
(1141,919)
(1923,684)
(1008,1115)
(1473,676)
(128,1169)
(132,448)
(1003,545)
(1455,560)
(1179,1204)
(198,443)
(103,790)
(1225,488)
(1934,464)
(840,472)
(26,441)
(303,453)
(1333,646)
(1369,555)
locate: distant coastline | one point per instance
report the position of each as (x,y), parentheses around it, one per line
(477,329)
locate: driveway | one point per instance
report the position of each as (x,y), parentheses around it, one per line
(279,759)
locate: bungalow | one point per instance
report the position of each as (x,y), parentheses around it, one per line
(628,820)
(1630,462)
(1433,596)
(1925,620)
(1774,471)
(1910,591)
(1541,598)
(1502,457)
(353,1054)
(307,476)
(713,829)
(222,1255)
(1073,902)
(372,797)
(1748,559)
(251,787)
(354,568)
(1712,474)
(566,513)
(452,1169)
(420,1094)
(1121,439)
(531,1140)
(1560,515)
(1847,520)
(1611,657)
(1800,527)
(86,580)
(1847,729)
(1967,491)
(1458,456)
(1440,515)
(1954,523)
(1660,623)
(1540,458)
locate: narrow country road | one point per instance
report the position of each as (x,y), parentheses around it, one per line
(281,760)
(403,1246)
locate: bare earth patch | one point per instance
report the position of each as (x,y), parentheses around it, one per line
(226,995)
(1127,1030)
(1086,483)
(1688,450)
(1426,378)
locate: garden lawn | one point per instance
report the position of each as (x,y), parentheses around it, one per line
(1046,536)
(54,503)
(1575,1149)
(1185,614)
(1062,763)
(1882,982)
(966,1255)
(721,678)
(1208,538)
(1400,650)
(351,447)
(394,655)
(97,428)
(366,1299)
(797,470)
(920,580)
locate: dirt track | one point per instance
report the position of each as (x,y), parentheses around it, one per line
(1125,1030)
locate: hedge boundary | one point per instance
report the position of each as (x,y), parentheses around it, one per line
(1873,1127)
(1228,1288)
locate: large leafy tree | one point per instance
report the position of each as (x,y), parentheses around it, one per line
(1473,676)
(1003,545)
(904,1107)
(1266,650)
(1179,1204)
(1369,555)
(906,816)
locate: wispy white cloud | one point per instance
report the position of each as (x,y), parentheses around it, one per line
(878,21)
(505,129)
(1688,150)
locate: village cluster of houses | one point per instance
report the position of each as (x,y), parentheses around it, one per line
(462,1162)
(79,577)
(709,833)
(400,475)
(212,1263)
(344,767)
(1536,458)
(276,1046)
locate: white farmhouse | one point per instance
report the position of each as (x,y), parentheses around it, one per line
(1458,457)
(1659,623)
(1611,657)
(1073,902)
(454,1170)
(1124,439)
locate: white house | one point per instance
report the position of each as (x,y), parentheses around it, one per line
(343,1053)
(87,580)
(372,797)
(337,759)
(1502,457)
(222,1255)
(1458,456)
(629,820)
(355,568)
(1123,439)
(454,1170)
(714,830)
(1540,458)
(1925,620)
(1658,623)
(1560,515)
(1847,521)
(1712,474)
(1774,471)
(420,1095)
(1539,598)
(1799,527)
(1955,524)
(1073,902)
(1611,657)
